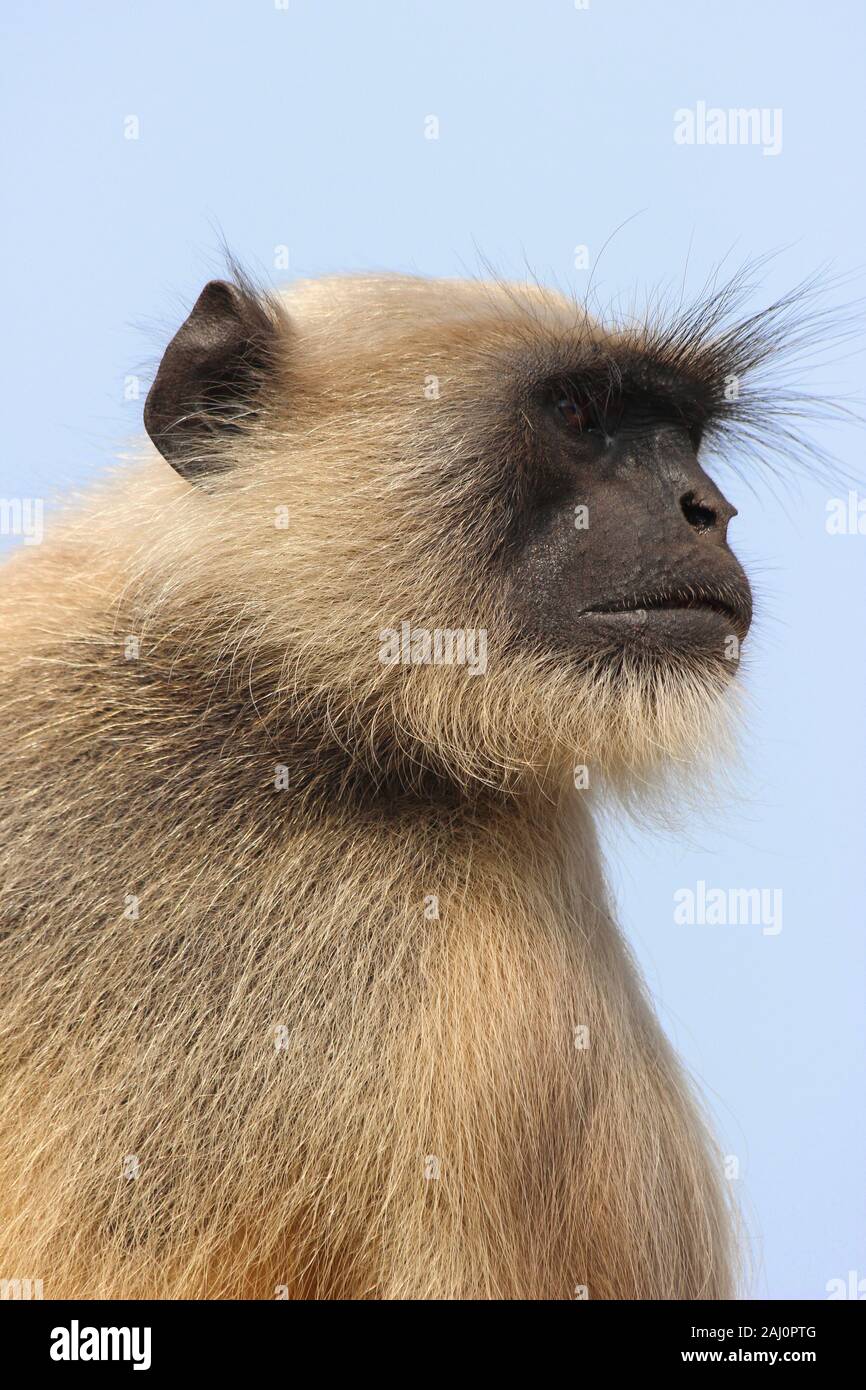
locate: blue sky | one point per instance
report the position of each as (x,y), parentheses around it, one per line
(304,128)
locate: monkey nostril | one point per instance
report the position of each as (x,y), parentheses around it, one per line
(696,514)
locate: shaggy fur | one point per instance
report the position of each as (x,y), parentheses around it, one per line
(221,969)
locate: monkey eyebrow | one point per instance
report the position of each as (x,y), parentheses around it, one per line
(666,387)
(639,379)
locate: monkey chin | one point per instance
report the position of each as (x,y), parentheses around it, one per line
(653,720)
(640,715)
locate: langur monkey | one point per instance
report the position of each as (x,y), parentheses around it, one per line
(310,982)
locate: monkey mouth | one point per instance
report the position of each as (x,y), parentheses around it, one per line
(734,609)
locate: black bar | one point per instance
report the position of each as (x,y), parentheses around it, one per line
(230,1338)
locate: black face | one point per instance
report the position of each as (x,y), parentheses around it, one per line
(624,539)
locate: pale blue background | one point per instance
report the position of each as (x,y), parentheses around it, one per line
(306,128)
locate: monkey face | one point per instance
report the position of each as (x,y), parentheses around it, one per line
(465,467)
(623,547)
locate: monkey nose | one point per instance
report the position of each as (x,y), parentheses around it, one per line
(706,510)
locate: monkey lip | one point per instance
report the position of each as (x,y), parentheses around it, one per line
(643,608)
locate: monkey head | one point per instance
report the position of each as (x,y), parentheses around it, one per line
(460,528)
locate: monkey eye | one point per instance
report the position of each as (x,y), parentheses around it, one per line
(578,417)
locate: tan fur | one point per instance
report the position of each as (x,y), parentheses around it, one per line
(408,1037)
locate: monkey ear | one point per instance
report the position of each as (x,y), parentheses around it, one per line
(209,377)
